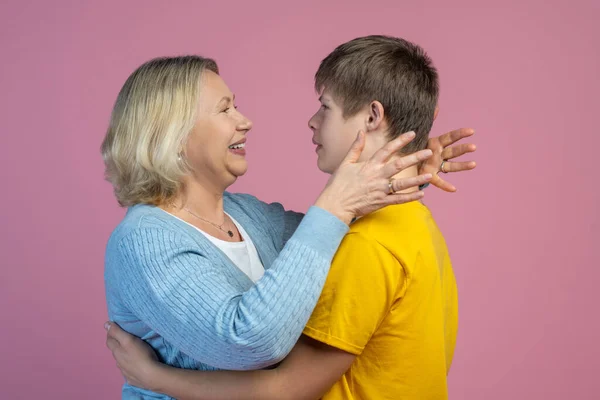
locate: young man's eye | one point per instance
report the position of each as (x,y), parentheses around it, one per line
(324,107)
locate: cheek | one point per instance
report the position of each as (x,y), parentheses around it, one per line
(339,138)
(205,145)
(329,131)
(196,153)
(218,136)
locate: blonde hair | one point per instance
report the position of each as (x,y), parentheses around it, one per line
(152,118)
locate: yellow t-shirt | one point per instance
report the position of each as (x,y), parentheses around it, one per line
(391,299)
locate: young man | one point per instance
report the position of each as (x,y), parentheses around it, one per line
(385,325)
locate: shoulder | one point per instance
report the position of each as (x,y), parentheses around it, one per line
(409,233)
(147,227)
(358,250)
(363,241)
(398,226)
(242,199)
(244,204)
(249,209)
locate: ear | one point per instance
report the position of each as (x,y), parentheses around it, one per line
(376,116)
(435,113)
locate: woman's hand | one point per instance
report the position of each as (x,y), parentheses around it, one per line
(358,188)
(443,151)
(135,358)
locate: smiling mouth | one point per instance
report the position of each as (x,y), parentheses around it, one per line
(238,146)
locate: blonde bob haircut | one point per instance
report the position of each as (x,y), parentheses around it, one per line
(153,116)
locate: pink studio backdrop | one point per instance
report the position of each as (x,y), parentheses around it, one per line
(520,229)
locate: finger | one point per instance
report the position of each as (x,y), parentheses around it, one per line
(113,344)
(398,163)
(114,331)
(438,182)
(458,150)
(457,166)
(405,183)
(356,149)
(401,198)
(451,137)
(392,147)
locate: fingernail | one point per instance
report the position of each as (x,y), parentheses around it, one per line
(428,176)
(107,326)
(410,134)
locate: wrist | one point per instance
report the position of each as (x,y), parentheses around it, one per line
(156,375)
(334,208)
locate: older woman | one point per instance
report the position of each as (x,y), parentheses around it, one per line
(213,280)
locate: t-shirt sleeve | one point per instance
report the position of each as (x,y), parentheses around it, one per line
(364,281)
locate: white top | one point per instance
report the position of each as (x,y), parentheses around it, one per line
(242,254)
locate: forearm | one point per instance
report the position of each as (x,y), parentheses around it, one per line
(306,374)
(219,385)
(265,321)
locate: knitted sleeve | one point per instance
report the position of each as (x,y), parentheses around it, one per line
(185,298)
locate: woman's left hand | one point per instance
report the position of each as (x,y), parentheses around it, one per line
(443,151)
(135,358)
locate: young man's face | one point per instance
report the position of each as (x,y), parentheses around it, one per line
(333,134)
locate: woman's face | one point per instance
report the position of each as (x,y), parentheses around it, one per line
(216,146)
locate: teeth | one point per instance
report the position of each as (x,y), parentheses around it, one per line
(238,146)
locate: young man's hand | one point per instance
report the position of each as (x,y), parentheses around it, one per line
(443,151)
(135,358)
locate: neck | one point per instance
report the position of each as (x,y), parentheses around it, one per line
(409,172)
(375,141)
(204,200)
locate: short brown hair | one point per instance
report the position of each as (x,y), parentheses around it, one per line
(393,71)
(152,118)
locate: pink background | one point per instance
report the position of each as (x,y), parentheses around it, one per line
(520,229)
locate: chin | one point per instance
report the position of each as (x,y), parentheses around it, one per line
(323,167)
(238,170)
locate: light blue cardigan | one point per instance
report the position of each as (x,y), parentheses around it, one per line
(166,283)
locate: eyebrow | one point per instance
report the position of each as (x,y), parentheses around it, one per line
(322,99)
(226,99)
